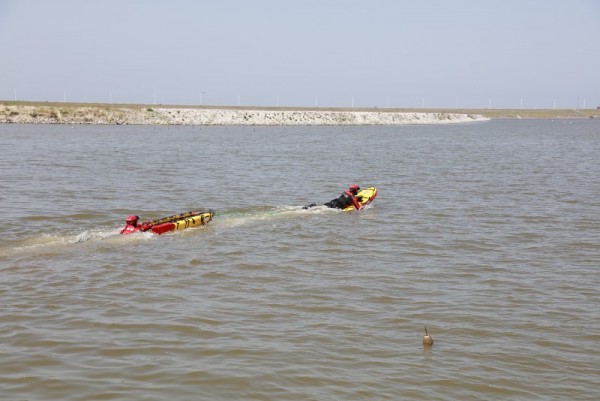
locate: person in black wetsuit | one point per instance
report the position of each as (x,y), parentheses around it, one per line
(347,198)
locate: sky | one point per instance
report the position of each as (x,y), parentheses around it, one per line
(325,53)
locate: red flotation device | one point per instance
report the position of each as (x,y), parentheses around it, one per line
(180,221)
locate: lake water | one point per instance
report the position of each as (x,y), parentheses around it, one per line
(487,233)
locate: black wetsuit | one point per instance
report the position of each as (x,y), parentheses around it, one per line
(342,202)
(345,200)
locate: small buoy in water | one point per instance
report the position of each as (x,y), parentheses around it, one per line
(427,339)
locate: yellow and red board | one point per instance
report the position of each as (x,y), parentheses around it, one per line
(364,197)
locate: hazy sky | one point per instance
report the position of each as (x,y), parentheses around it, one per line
(370,53)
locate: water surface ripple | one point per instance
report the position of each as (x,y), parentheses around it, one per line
(488,233)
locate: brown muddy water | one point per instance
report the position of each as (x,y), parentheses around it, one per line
(488,233)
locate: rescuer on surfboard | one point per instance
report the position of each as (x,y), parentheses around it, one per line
(347,198)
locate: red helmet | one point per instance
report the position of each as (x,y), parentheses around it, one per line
(354,188)
(131,219)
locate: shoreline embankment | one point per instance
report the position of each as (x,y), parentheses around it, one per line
(181,115)
(125,114)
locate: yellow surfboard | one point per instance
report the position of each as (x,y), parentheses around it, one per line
(364,197)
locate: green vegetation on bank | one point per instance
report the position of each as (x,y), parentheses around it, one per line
(532,113)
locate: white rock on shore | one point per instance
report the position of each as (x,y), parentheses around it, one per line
(215,116)
(301,117)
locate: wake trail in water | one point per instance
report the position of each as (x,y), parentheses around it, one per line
(54,242)
(238,217)
(226,218)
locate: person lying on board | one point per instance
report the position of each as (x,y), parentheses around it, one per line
(347,198)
